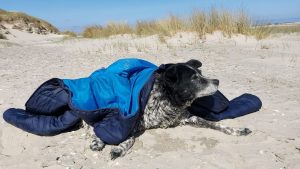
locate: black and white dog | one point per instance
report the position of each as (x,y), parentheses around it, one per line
(173,91)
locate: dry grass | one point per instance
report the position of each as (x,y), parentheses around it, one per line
(224,21)
(243,24)
(92,32)
(13,17)
(260,32)
(215,20)
(106,31)
(263,31)
(147,28)
(227,24)
(197,23)
(166,27)
(284,28)
(69,34)
(171,25)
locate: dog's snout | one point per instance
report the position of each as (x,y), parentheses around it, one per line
(215,82)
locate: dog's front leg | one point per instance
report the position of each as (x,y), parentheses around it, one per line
(200,122)
(97,144)
(122,148)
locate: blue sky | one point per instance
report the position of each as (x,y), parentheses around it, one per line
(76,14)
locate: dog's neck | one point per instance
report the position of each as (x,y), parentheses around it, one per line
(159,111)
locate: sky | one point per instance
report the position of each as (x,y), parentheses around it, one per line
(77,14)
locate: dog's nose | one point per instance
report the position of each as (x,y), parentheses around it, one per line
(215,82)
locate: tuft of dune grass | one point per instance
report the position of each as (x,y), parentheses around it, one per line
(213,20)
(260,32)
(147,28)
(197,23)
(69,34)
(92,32)
(202,23)
(106,31)
(243,23)
(263,31)
(172,24)
(226,23)
(283,28)
(165,27)
(117,29)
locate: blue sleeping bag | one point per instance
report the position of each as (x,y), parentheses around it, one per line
(111,100)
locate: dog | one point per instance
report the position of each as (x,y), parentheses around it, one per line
(174,90)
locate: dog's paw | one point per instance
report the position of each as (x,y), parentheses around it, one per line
(97,145)
(116,152)
(243,132)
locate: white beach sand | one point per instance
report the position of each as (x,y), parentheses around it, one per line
(269,68)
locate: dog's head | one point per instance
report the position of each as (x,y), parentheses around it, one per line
(184,82)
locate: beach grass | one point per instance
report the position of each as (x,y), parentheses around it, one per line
(263,31)
(285,28)
(107,30)
(199,21)
(69,34)
(13,17)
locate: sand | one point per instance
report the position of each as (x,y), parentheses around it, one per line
(269,68)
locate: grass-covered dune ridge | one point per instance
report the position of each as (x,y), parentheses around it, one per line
(214,20)
(25,22)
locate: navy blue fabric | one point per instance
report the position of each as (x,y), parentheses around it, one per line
(240,106)
(215,103)
(40,124)
(47,112)
(49,98)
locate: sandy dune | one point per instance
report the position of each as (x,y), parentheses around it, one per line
(269,68)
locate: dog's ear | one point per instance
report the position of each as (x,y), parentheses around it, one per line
(194,63)
(170,75)
(162,68)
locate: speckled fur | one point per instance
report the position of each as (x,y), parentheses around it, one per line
(159,112)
